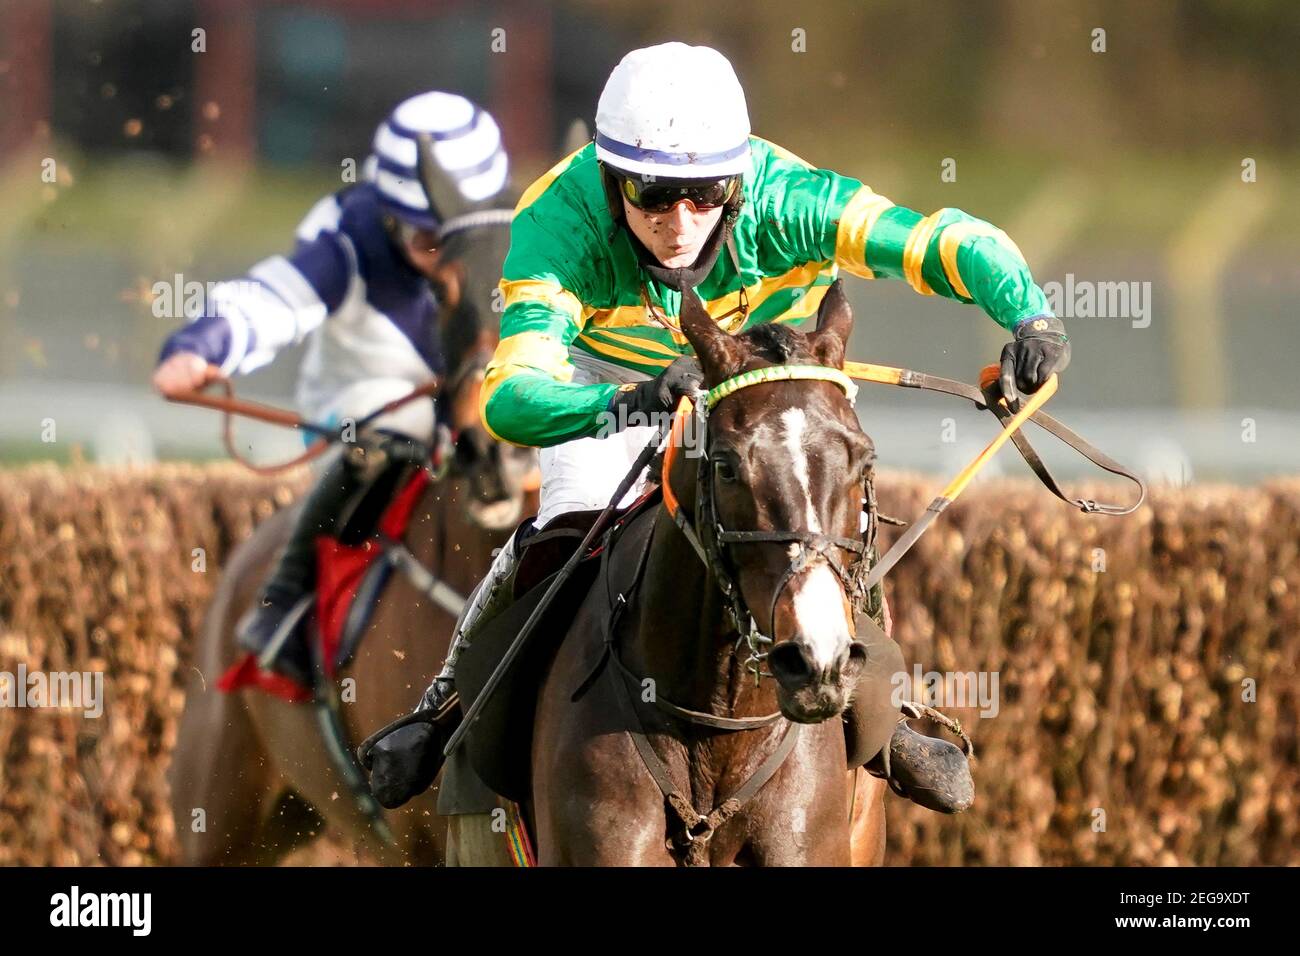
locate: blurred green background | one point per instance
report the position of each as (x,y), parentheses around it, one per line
(1122,164)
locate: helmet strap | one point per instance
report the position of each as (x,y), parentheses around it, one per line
(614,199)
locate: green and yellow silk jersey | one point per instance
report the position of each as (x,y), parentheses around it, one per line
(568,285)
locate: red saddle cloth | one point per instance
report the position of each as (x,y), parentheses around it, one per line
(339,571)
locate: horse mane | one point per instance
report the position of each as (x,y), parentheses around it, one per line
(777,343)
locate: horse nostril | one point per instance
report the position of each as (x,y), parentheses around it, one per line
(790,664)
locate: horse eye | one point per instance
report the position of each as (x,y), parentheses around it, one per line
(723,470)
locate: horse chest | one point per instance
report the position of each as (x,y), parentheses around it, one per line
(794,819)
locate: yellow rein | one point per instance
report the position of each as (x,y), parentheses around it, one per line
(863,371)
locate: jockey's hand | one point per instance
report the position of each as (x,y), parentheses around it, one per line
(184,372)
(1041,348)
(659,395)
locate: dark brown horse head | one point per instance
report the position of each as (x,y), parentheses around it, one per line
(789,456)
(499,475)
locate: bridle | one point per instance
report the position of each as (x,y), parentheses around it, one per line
(712,541)
(472,221)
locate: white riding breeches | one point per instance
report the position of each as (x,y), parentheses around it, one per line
(583,474)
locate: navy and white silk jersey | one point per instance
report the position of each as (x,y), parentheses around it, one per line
(369,318)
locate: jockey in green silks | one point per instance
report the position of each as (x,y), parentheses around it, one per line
(676,192)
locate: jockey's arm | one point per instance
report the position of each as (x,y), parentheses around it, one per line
(528,397)
(949,253)
(245,323)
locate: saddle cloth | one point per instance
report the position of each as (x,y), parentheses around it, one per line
(349,583)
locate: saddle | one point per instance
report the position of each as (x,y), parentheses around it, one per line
(542,553)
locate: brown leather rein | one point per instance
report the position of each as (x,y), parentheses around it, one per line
(986,397)
(230,406)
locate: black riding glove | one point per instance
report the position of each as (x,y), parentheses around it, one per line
(1041,348)
(657,396)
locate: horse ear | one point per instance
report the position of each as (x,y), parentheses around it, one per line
(438,184)
(834,326)
(719,353)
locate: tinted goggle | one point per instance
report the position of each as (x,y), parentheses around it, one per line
(661,195)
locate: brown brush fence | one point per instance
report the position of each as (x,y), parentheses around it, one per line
(1148,696)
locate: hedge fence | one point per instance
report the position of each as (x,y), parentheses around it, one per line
(1147,698)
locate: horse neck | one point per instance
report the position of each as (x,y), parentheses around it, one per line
(684,639)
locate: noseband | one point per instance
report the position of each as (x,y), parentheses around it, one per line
(711,540)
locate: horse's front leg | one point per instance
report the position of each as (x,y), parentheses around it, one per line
(595,803)
(802,817)
(605,834)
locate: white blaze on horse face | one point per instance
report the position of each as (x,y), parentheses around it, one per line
(818,598)
(795,422)
(819,614)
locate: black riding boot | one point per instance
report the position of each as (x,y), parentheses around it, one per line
(295,573)
(403,763)
(930,772)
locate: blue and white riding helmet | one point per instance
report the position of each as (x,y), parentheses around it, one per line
(458,137)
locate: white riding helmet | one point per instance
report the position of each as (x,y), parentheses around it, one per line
(466,145)
(674,111)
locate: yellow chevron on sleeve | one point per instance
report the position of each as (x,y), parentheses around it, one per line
(918,241)
(522,352)
(950,240)
(550,294)
(859,215)
(534,350)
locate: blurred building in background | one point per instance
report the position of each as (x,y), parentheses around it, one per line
(1138,152)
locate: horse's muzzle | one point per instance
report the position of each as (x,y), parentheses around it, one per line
(810,692)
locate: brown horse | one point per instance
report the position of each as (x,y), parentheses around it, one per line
(257,767)
(650,721)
